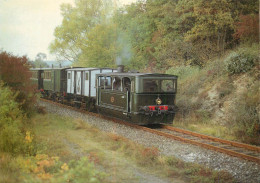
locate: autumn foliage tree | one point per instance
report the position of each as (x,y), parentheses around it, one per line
(14,72)
(159,33)
(247,28)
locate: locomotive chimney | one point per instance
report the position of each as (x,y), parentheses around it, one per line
(120,68)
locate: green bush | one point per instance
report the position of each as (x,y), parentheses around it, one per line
(12,129)
(242,60)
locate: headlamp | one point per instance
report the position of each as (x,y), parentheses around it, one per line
(158,101)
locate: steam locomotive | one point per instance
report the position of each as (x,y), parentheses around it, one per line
(140,98)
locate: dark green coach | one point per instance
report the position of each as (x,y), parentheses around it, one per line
(50,81)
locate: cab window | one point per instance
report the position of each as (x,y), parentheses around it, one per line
(159,85)
(101,82)
(117,85)
(108,83)
(126,84)
(151,85)
(167,86)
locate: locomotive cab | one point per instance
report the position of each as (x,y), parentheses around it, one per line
(137,97)
(154,98)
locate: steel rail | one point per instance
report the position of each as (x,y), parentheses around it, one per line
(176,137)
(212,147)
(235,144)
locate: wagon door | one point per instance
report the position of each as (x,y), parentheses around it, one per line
(92,79)
(40,79)
(69,82)
(78,82)
(86,83)
(72,82)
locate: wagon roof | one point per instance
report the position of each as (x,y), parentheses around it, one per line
(129,74)
(86,69)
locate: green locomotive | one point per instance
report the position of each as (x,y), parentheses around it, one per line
(141,98)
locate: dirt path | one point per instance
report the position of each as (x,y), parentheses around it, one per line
(119,168)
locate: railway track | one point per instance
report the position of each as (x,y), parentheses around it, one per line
(232,148)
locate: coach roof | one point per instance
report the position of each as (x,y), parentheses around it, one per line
(38,69)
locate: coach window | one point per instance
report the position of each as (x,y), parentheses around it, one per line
(117,84)
(47,75)
(126,84)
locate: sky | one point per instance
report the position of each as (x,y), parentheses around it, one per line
(27,26)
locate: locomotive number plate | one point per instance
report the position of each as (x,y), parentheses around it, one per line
(112,99)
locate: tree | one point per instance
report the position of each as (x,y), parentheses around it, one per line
(213,21)
(39,60)
(132,21)
(100,48)
(162,18)
(247,28)
(41,56)
(72,35)
(152,35)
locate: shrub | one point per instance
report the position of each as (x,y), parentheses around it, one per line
(80,171)
(242,60)
(14,72)
(12,128)
(244,115)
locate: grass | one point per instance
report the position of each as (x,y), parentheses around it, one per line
(63,143)
(206,128)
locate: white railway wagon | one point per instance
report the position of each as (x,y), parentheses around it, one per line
(82,81)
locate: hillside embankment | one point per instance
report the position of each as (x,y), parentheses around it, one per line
(222,98)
